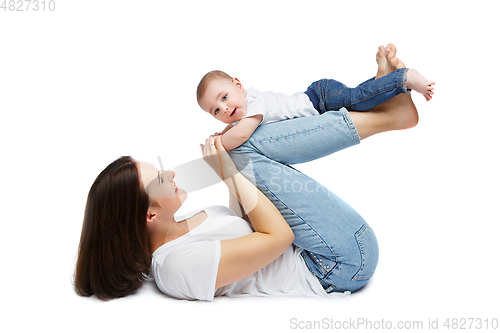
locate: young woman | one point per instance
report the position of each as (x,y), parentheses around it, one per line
(129,229)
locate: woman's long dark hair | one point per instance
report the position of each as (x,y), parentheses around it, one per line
(114,254)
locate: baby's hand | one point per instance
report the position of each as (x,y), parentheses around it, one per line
(217,158)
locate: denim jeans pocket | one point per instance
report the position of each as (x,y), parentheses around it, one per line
(368,247)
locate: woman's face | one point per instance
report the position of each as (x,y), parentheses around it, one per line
(161,186)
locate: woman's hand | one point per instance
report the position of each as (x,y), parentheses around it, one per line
(217,158)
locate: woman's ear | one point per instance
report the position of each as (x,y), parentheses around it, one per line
(151,216)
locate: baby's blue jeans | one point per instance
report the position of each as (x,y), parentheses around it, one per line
(339,247)
(328,95)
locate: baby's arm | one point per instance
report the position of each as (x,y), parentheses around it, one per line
(240,133)
(228,127)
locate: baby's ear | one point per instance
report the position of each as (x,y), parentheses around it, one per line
(237,82)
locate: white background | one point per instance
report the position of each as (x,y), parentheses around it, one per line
(94,80)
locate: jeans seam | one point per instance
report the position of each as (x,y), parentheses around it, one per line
(361,100)
(352,127)
(358,234)
(404,82)
(295,134)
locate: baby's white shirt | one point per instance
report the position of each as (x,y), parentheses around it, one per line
(278,106)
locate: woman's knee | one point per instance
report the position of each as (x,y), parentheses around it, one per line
(355,264)
(368,253)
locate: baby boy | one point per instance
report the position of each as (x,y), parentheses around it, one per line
(225,98)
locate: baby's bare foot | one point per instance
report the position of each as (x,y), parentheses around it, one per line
(391,47)
(415,81)
(393,62)
(382,62)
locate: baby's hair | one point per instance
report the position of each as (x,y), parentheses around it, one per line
(210,76)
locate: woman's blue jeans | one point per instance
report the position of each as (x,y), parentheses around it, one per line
(339,247)
(332,95)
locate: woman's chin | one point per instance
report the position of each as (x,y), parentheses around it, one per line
(182,194)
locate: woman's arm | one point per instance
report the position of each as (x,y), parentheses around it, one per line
(240,133)
(243,256)
(236,207)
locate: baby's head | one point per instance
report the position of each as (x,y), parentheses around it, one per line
(222,96)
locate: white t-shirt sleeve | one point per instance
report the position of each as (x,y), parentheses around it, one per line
(189,272)
(278,106)
(256,107)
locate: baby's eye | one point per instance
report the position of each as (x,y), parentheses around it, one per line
(224,98)
(216,111)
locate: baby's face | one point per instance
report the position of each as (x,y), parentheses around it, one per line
(225,100)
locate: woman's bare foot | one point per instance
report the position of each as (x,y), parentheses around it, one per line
(415,81)
(393,62)
(382,62)
(398,113)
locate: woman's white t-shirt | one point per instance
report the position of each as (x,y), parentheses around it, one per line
(186,268)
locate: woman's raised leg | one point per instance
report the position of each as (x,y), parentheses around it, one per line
(340,249)
(305,139)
